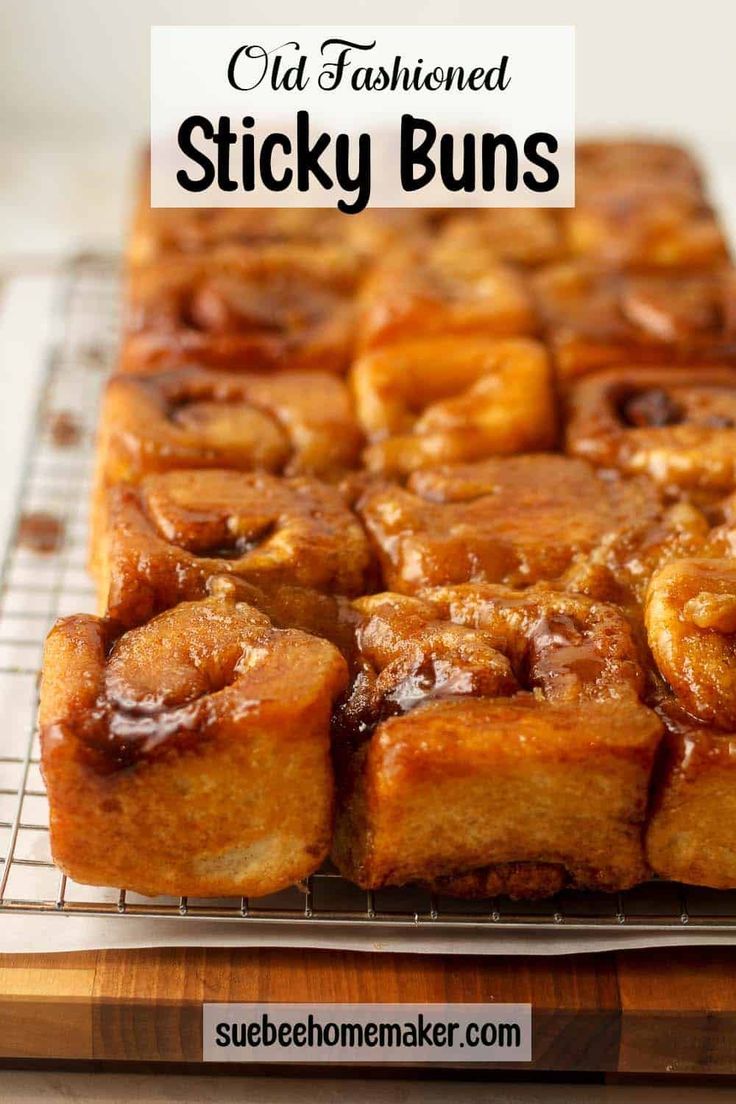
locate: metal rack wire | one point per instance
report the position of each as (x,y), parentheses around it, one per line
(36,588)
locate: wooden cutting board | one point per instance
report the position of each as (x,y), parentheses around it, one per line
(634,1012)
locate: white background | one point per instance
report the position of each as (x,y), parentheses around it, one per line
(83,64)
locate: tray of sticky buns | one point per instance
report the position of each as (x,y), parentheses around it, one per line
(414,540)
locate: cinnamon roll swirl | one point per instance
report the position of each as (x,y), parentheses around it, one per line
(190,755)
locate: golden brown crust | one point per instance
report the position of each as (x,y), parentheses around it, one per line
(284,306)
(454,785)
(478,716)
(594,317)
(191,755)
(675,425)
(165,539)
(291,423)
(427,289)
(451,399)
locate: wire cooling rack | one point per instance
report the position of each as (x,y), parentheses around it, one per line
(37,587)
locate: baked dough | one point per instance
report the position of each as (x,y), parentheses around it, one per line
(479,717)
(594,317)
(290,423)
(439,288)
(165,539)
(286,306)
(190,755)
(675,425)
(450,399)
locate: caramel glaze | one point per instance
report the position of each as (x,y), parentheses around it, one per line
(454,643)
(161,688)
(676,426)
(65,429)
(195,417)
(40,532)
(528,519)
(689,748)
(176,530)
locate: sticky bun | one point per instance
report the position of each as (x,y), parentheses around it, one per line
(190,755)
(477,717)
(287,306)
(691,628)
(165,539)
(626,166)
(676,425)
(528,236)
(451,399)
(691,835)
(641,230)
(290,423)
(519,520)
(595,317)
(432,289)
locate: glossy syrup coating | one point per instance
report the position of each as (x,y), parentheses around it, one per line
(594,316)
(190,755)
(524,519)
(291,423)
(646,229)
(528,236)
(691,627)
(286,306)
(675,425)
(475,721)
(165,539)
(433,288)
(492,641)
(451,399)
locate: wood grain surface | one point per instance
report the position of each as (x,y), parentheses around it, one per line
(645,1012)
